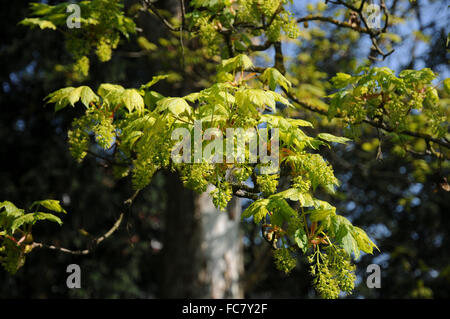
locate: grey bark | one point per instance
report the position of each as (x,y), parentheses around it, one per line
(203,256)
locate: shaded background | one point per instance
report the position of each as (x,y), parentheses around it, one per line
(401,207)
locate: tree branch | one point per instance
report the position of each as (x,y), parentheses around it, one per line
(244,191)
(155,11)
(373,34)
(261,47)
(106,159)
(442,142)
(334,21)
(424,136)
(95,242)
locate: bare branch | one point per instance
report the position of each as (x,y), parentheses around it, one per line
(96,241)
(244,191)
(261,47)
(154,10)
(372,33)
(106,159)
(334,21)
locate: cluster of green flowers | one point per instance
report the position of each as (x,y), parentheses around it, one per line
(283,22)
(81,67)
(208,34)
(143,171)
(97,121)
(332,272)
(316,169)
(400,102)
(153,152)
(344,271)
(301,183)
(284,260)
(12,257)
(266,7)
(213,24)
(101,25)
(105,45)
(267,184)
(241,173)
(222,194)
(196,176)
(104,130)
(78,138)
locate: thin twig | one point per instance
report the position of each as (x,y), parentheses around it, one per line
(153,9)
(335,22)
(183,12)
(95,242)
(106,159)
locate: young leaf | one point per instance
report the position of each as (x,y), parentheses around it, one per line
(47,216)
(350,245)
(59,97)
(256,97)
(111,93)
(341,80)
(295,194)
(87,96)
(151,98)
(273,77)
(279,98)
(31,218)
(43,24)
(154,80)
(10,209)
(71,95)
(320,214)
(193,97)
(363,241)
(133,101)
(301,239)
(331,138)
(50,204)
(300,122)
(175,105)
(74,96)
(258,209)
(8,213)
(281,210)
(339,226)
(322,211)
(240,61)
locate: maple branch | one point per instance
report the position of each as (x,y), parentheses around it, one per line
(148,4)
(334,21)
(442,142)
(96,241)
(244,191)
(106,159)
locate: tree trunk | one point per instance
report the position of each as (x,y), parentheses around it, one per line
(203,255)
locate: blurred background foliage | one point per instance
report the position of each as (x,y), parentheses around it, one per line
(400,200)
